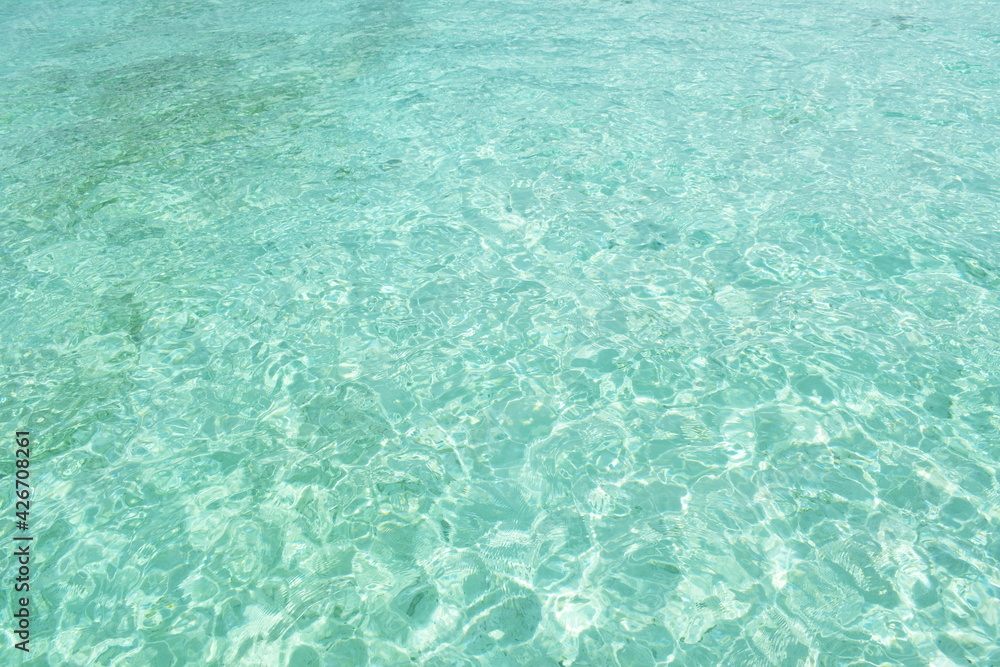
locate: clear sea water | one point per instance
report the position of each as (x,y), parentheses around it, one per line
(607,332)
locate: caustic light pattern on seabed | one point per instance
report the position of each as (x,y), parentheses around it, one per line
(506,333)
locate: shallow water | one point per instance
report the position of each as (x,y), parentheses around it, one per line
(482,333)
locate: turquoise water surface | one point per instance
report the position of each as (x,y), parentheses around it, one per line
(607,332)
